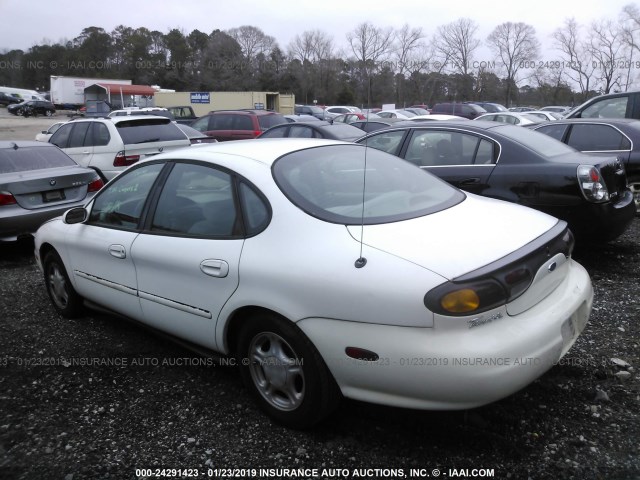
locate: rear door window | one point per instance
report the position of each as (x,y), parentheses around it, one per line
(596,138)
(78,134)
(61,137)
(554,131)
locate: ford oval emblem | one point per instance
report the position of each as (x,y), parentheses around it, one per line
(52,182)
(552,266)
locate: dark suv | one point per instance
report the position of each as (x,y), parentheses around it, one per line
(36,107)
(466,110)
(612,105)
(237,124)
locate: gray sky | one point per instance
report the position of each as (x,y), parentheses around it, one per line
(57,20)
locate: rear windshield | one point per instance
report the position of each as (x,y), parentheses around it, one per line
(24,159)
(147,131)
(268,121)
(330,183)
(547,146)
(344,131)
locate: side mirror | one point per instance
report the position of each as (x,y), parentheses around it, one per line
(75,215)
(44,131)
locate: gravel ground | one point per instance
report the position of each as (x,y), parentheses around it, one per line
(162,407)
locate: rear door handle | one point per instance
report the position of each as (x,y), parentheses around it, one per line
(215,268)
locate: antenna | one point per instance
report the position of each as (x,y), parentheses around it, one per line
(361,261)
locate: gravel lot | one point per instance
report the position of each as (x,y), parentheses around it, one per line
(161,406)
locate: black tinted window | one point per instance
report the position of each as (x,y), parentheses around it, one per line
(554,131)
(32,158)
(61,137)
(221,122)
(242,122)
(201,124)
(98,135)
(255,209)
(143,131)
(597,138)
(275,133)
(77,135)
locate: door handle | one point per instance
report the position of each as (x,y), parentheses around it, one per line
(117,251)
(215,268)
(470,181)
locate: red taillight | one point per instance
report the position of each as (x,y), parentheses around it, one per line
(96,185)
(123,160)
(7,199)
(256,133)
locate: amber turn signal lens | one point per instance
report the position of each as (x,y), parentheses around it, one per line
(461,301)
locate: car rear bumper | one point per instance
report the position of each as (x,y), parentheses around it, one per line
(452,366)
(17,222)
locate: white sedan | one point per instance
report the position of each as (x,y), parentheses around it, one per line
(391,287)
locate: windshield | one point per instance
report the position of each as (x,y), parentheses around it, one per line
(547,146)
(329,183)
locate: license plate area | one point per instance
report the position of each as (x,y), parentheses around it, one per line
(53,196)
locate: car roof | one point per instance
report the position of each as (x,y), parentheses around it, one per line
(266,152)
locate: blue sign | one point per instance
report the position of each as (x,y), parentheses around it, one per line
(258,106)
(200,97)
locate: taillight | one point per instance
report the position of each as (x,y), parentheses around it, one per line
(454,299)
(7,199)
(592,184)
(256,133)
(96,185)
(123,160)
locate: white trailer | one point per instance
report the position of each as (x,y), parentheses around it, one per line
(68,92)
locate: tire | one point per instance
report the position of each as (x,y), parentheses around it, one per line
(284,372)
(65,299)
(48,113)
(634,185)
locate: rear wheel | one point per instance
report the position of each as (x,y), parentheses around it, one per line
(284,371)
(61,292)
(48,113)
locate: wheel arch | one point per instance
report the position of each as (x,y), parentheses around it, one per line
(235,321)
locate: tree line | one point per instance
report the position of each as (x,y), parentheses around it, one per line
(377,65)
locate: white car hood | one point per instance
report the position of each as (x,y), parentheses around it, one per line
(460,239)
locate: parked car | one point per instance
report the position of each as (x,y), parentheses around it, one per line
(512,118)
(521,166)
(335,110)
(556,109)
(194,136)
(183,114)
(490,107)
(396,113)
(334,131)
(375,124)
(614,136)
(39,182)
(546,115)
(417,110)
(35,107)
(438,117)
(312,110)
(127,112)
(7,99)
(466,110)
(226,125)
(353,117)
(45,135)
(521,109)
(301,118)
(322,285)
(109,145)
(612,105)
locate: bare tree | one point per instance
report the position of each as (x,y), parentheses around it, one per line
(606,47)
(252,40)
(370,45)
(630,26)
(457,43)
(312,49)
(514,44)
(407,41)
(576,56)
